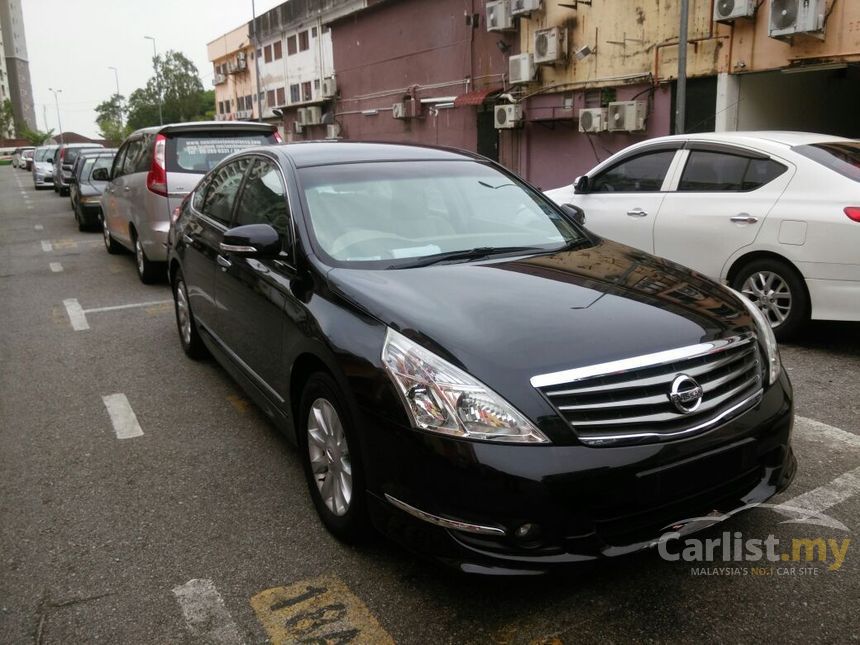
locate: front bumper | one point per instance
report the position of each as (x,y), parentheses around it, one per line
(588,503)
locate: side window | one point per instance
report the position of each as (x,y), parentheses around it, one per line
(641,174)
(144,159)
(263,199)
(132,154)
(118,163)
(221,193)
(723,172)
(199,194)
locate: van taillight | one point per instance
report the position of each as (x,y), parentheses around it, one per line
(156,179)
(278,138)
(853,212)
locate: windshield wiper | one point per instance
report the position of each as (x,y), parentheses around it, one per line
(468,254)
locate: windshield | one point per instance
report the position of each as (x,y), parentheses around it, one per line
(199,152)
(380,215)
(842,157)
(93,163)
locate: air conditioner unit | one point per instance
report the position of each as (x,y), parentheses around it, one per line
(406,109)
(508,116)
(302,116)
(626,116)
(524,7)
(332,131)
(792,17)
(728,10)
(592,120)
(313,115)
(499,16)
(521,68)
(550,45)
(329,88)
(298,128)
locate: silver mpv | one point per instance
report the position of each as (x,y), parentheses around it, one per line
(154,169)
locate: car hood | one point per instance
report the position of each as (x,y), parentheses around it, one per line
(506,320)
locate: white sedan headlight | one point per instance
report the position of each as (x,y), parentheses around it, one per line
(765,334)
(441,398)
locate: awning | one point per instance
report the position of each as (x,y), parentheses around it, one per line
(476,97)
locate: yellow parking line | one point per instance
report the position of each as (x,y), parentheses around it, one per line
(321,610)
(239,404)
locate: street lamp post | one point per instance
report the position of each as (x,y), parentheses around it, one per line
(256,43)
(119,106)
(157,78)
(57,103)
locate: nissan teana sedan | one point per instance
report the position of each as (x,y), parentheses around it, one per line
(465,367)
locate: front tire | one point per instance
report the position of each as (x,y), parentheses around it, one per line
(331,458)
(111,246)
(777,289)
(189,337)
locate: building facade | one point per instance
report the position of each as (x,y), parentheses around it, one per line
(17,67)
(232,58)
(5,95)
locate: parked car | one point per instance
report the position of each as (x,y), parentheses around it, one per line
(153,170)
(89,179)
(26,161)
(43,166)
(464,366)
(775,215)
(17,157)
(63,162)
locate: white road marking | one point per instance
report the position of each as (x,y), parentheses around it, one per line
(76,314)
(817,432)
(205,614)
(46,246)
(124,421)
(131,306)
(56,267)
(39,227)
(820,499)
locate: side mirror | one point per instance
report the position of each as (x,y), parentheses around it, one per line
(101,174)
(575,213)
(252,241)
(580,186)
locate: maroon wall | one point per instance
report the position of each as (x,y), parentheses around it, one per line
(396,45)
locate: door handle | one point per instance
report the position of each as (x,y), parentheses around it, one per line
(188,240)
(223,262)
(637,212)
(744,218)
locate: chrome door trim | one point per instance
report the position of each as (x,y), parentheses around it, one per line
(251,373)
(444,522)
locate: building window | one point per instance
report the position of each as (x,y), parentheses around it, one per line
(270,98)
(282,99)
(267,53)
(277,50)
(248,105)
(316,84)
(259,53)
(295,93)
(291,45)
(304,45)
(313,32)
(306,91)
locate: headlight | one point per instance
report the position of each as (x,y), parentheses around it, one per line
(765,334)
(90,199)
(442,398)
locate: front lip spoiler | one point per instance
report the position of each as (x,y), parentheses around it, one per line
(444,522)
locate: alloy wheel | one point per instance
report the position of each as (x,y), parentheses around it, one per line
(105,233)
(329,457)
(770,293)
(139,257)
(182,312)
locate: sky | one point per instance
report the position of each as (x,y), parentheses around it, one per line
(72,43)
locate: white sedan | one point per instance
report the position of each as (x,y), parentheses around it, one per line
(775,215)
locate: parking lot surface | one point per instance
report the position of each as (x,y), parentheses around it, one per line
(144,499)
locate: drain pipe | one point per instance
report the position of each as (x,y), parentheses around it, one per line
(681,94)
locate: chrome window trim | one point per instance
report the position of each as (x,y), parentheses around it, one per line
(605,440)
(637,362)
(444,522)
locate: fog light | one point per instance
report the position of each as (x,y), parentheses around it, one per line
(527,532)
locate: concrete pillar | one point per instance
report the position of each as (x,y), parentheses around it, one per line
(728,97)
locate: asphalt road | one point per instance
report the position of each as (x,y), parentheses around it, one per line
(200,528)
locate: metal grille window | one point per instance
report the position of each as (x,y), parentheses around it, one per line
(304,43)
(307,92)
(295,93)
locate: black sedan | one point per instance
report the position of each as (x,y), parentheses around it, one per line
(465,367)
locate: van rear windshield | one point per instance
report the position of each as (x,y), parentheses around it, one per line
(199,152)
(842,157)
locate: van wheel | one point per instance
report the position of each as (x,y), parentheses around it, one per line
(778,291)
(147,271)
(331,458)
(112,246)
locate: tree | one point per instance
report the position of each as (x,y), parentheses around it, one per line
(7,119)
(109,119)
(37,137)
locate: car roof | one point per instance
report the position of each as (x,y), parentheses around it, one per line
(786,138)
(206,125)
(320,153)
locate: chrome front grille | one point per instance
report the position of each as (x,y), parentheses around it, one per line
(629,400)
